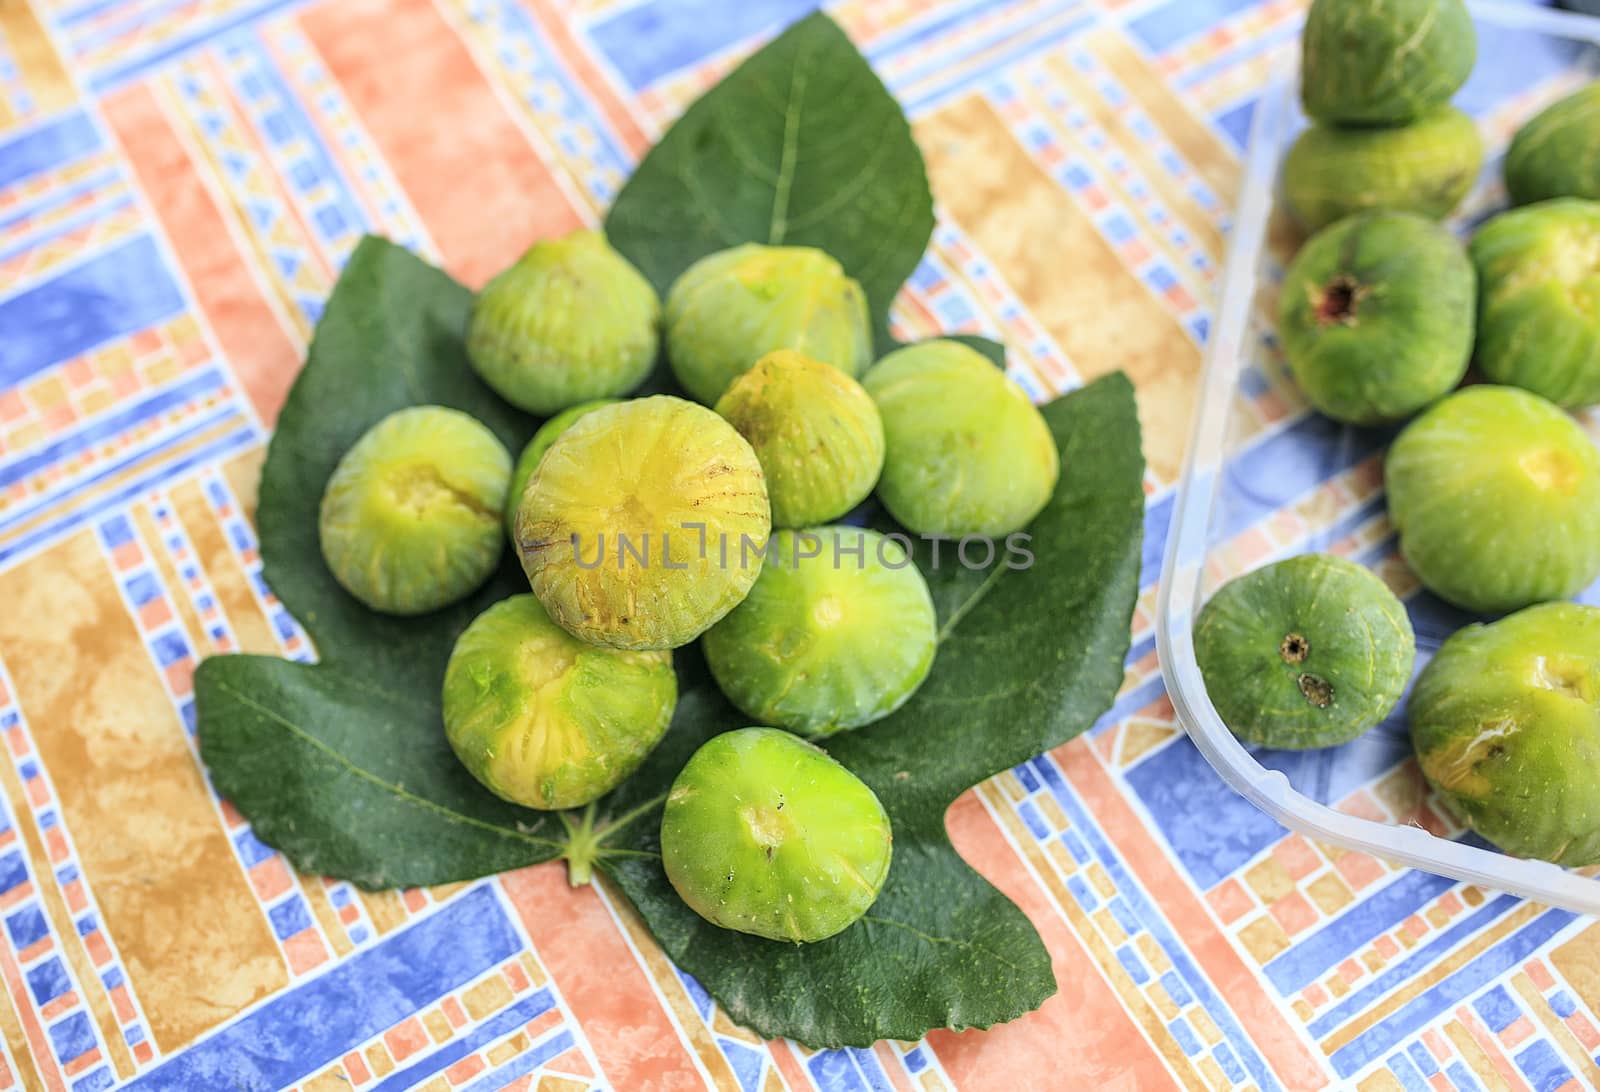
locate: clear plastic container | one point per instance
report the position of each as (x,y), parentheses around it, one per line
(1241,471)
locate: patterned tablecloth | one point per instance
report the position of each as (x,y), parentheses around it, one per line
(179,182)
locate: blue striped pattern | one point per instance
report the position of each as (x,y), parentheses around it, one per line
(114,293)
(47,145)
(350,1003)
(650,40)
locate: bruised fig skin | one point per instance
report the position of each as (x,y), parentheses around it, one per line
(644,523)
(571,321)
(545,720)
(1376,314)
(1553,155)
(1306,652)
(763,833)
(817,433)
(1495,494)
(966,452)
(1539,300)
(1506,724)
(1426,167)
(410,518)
(1383,62)
(731,308)
(838,632)
(528,461)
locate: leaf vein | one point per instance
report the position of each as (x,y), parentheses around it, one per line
(367,775)
(778,227)
(930,938)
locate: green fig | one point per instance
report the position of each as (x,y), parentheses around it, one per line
(966,452)
(1553,155)
(569,322)
(410,518)
(731,308)
(1383,62)
(817,434)
(528,461)
(545,720)
(763,833)
(1425,167)
(1539,300)
(1306,652)
(1506,724)
(1495,494)
(1375,316)
(837,632)
(644,523)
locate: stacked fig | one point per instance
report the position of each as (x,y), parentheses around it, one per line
(644,524)
(1493,488)
(1376,81)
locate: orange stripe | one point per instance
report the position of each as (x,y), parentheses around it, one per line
(892,1067)
(620,1014)
(16,1045)
(787,1064)
(1491,1053)
(1082,1029)
(1099,933)
(1279,1043)
(579,57)
(695,1032)
(261,351)
(39,1048)
(470,173)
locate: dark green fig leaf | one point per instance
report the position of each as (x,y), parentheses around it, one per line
(801,145)
(353,777)
(344,765)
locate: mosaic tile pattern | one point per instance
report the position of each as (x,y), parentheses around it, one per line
(180,183)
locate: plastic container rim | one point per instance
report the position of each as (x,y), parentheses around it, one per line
(1188,533)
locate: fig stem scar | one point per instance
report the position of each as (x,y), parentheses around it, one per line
(586,841)
(1339,300)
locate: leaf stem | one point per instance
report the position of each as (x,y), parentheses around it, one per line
(586,841)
